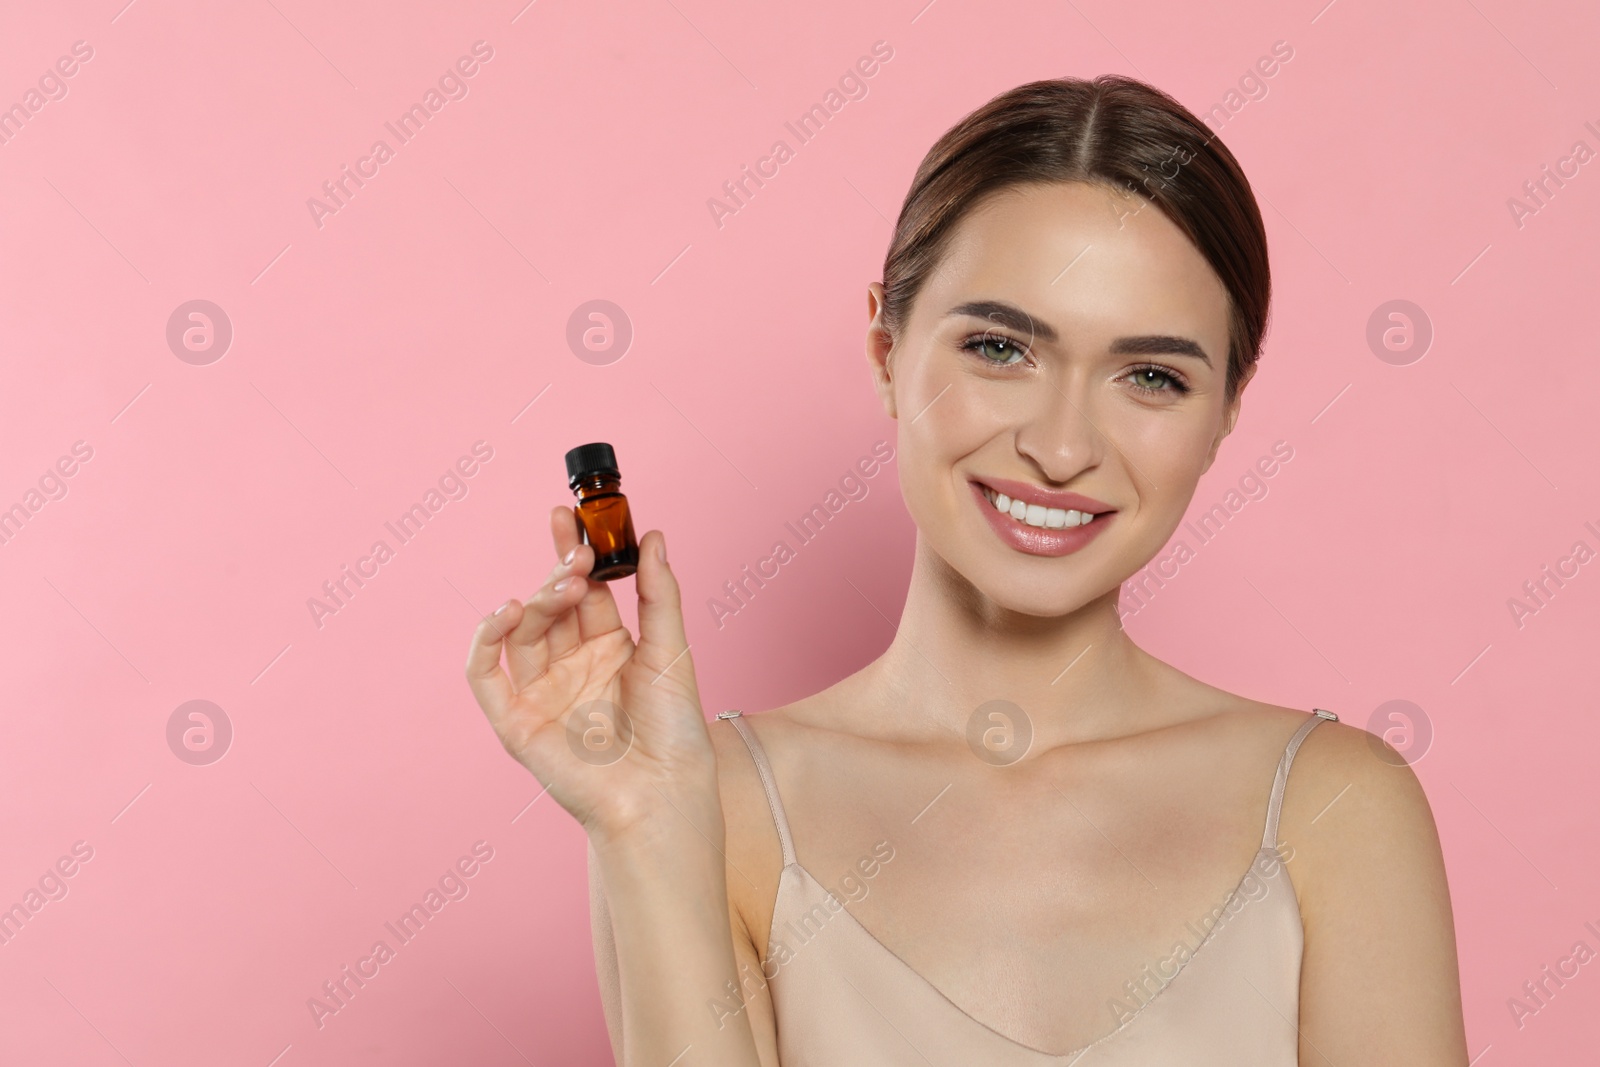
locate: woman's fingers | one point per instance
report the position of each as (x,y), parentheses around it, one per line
(662,642)
(490,685)
(597,610)
(564,530)
(549,628)
(565,634)
(556,621)
(528,650)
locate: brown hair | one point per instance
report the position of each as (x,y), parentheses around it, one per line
(1113,130)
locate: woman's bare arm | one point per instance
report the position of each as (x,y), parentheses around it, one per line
(720,1013)
(1379,982)
(605,956)
(665,952)
(615,731)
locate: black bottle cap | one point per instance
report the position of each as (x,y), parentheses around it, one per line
(596,458)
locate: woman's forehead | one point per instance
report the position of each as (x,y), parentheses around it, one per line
(1079,253)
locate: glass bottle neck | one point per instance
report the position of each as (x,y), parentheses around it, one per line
(597,485)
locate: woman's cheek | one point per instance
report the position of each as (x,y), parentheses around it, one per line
(1168,452)
(949,417)
(932,444)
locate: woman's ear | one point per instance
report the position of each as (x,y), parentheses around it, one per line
(880,349)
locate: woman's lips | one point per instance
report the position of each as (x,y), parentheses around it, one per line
(1037,540)
(1034,494)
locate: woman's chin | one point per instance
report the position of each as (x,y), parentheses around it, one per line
(1016,590)
(1017,581)
(1044,604)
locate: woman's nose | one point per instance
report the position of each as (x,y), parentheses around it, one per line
(1061,433)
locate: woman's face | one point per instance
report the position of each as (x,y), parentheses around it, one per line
(1071,341)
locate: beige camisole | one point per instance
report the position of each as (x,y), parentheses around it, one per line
(845,999)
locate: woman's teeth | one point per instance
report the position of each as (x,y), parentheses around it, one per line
(1037,514)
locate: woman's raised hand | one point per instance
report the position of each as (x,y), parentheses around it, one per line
(613,729)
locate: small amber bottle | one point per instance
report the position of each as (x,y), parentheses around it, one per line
(602,510)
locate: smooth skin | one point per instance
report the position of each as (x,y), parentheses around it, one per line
(1026,894)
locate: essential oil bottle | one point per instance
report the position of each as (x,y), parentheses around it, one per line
(602,510)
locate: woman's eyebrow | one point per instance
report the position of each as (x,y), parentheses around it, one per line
(1157,344)
(1003,314)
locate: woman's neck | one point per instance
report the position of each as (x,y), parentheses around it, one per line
(1077,677)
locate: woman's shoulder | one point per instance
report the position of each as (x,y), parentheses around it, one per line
(1355,822)
(1370,878)
(750,842)
(1338,758)
(1363,854)
(1335,758)
(795,731)
(1354,816)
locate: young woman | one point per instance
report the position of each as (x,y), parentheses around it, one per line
(1015,838)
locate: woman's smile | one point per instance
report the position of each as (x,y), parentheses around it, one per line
(1036,529)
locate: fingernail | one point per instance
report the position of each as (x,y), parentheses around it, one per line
(573,551)
(502,607)
(661,549)
(562,584)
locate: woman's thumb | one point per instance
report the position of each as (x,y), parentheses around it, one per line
(661,634)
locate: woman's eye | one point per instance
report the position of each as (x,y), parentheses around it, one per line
(1156,380)
(1003,349)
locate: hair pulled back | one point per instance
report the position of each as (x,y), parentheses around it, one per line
(1111,130)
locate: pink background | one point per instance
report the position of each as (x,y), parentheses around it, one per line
(371,352)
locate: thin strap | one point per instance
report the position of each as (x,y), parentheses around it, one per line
(1269,839)
(770,784)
